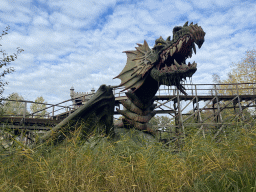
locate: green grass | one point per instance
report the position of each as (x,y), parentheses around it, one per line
(104,165)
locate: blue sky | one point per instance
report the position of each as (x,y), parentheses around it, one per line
(80,43)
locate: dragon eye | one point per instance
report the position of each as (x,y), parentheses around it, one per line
(159,43)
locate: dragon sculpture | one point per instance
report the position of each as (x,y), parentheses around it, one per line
(146,69)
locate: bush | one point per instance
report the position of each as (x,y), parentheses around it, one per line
(102,164)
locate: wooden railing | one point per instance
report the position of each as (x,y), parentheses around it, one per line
(62,110)
(212,93)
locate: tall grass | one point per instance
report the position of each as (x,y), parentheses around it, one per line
(102,164)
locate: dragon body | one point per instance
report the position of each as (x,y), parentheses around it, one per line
(146,69)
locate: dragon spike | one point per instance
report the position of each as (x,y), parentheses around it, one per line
(191,23)
(168,38)
(146,47)
(140,49)
(161,38)
(196,25)
(186,24)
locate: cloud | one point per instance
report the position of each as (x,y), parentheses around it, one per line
(16,17)
(203,4)
(87,10)
(80,43)
(61,20)
(183,6)
(41,21)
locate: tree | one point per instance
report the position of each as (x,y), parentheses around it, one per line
(161,121)
(38,107)
(5,61)
(14,108)
(242,72)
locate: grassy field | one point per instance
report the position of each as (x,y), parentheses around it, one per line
(105,165)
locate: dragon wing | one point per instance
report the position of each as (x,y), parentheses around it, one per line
(135,71)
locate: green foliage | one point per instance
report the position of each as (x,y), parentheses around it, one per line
(162,121)
(101,164)
(5,61)
(242,72)
(14,108)
(34,107)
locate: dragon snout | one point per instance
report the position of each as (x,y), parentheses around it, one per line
(199,43)
(197,33)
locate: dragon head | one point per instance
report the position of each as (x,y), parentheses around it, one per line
(166,61)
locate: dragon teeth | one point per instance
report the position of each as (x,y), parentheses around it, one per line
(176,63)
(184,66)
(179,45)
(194,47)
(173,50)
(167,53)
(187,39)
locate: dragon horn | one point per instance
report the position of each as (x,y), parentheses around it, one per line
(186,24)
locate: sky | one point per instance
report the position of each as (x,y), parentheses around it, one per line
(79,43)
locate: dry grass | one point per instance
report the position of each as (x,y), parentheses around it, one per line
(104,165)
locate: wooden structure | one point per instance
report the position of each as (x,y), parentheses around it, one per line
(186,111)
(203,107)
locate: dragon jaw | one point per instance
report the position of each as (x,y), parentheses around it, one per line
(171,67)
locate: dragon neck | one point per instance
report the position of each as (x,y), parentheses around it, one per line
(148,90)
(139,106)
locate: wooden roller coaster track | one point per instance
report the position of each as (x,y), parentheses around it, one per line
(186,110)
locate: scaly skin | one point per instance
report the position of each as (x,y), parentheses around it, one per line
(96,114)
(146,69)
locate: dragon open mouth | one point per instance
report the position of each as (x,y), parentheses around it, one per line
(171,68)
(173,59)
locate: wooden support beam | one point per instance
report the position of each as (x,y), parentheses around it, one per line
(199,114)
(219,116)
(239,104)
